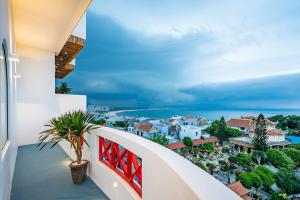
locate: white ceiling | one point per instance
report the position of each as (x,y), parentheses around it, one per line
(46,24)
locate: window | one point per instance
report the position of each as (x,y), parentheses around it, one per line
(3,95)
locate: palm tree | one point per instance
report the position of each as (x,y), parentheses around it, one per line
(70,127)
(63,88)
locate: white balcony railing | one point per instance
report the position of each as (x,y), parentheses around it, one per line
(164,174)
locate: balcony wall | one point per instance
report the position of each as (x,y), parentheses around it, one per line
(166,175)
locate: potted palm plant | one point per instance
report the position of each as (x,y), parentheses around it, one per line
(71,127)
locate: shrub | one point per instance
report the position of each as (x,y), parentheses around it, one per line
(245,179)
(288,181)
(161,139)
(232,132)
(265,175)
(200,164)
(208,146)
(225,150)
(296,146)
(241,159)
(211,166)
(294,154)
(258,157)
(187,141)
(279,196)
(279,159)
(256,180)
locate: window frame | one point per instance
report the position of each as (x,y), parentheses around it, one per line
(4,51)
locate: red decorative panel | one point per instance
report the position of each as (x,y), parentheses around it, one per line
(123,162)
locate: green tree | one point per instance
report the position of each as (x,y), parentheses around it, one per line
(188,142)
(260,138)
(279,196)
(256,180)
(63,88)
(242,159)
(221,130)
(208,146)
(211,167)
(258,156)
(294,154)
(279,159)
(266,176)
(120,124)
(288,181)
(245,179)
(232,132)
(98,121)
(161,139)
(213,127)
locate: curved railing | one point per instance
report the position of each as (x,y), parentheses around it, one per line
(123,162)
(165,174)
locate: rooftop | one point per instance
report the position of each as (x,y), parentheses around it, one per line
(180,145)
(239,189)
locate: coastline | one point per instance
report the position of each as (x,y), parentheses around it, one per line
(115,112)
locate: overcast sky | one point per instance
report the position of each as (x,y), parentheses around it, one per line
(239,54)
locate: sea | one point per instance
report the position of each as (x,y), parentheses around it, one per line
(164,113)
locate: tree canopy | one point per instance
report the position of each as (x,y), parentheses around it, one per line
(161,139)
(279,159)
(260,138)
(188,142)
(219,129)
(63,88)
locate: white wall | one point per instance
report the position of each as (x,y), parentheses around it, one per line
(9,152)
(193,132)
(36,99)
(67,103)
(80,29)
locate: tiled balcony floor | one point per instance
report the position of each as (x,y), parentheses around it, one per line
(45,175)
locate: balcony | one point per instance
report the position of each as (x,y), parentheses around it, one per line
(45,175)
(156,172)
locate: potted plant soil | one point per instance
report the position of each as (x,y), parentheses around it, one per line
(71,127)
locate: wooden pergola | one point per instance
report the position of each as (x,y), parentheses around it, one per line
(69,51)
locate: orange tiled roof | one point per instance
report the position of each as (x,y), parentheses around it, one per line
(275,132)
(188,117)
(180,145)
(268,122)
(246,123)
(144,127)
(238,188)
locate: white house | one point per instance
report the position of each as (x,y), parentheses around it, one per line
(163,128)
(193,132)
(189,121)
(146,130)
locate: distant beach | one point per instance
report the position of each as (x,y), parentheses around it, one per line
(164,113)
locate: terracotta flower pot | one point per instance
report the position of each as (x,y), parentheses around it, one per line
(78,171)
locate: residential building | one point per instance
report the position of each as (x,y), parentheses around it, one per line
(146,130)
(189,121)
(197,142)
(39,41)
(163,128)
(193,132)
(276,138)
(243,125)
